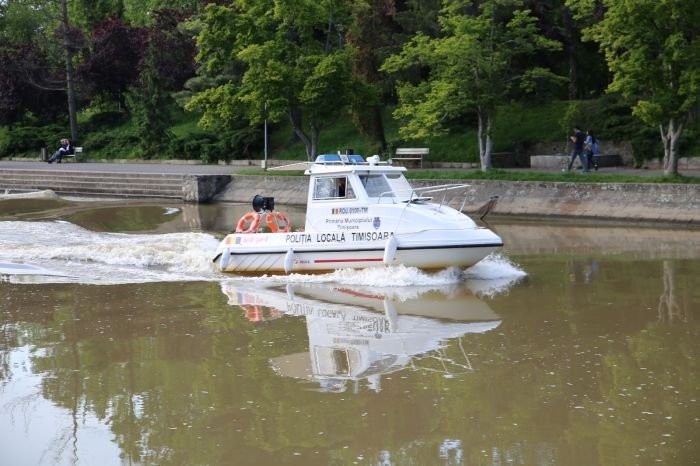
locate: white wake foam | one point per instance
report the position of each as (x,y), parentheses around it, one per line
(493,275)
(82,256)
(73,254)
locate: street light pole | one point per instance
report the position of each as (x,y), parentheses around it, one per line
(265,133)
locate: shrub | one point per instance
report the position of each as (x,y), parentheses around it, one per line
(646,145)
(24,140)
(210,148)
(4,141)
(104,120)
(192,147)
(119,143)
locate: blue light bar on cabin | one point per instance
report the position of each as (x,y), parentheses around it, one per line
(340,158)
(328,158)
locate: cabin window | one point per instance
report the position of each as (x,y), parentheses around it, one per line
(336,361)
(399,185)
(375,185)
(336,187)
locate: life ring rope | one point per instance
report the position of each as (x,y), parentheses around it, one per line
(249,223)
(277,222)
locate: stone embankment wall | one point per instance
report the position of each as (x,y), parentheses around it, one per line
(202,188)
(666,203)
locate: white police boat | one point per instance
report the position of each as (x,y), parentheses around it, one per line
(359,214)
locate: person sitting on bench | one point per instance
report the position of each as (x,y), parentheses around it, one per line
(65,149)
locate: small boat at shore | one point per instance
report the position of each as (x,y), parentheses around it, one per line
(359,214)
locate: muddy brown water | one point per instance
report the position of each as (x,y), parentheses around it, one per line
(578,345)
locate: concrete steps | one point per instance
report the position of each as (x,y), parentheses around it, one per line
(94,183)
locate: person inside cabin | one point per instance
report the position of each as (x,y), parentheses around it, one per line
(345,188)
(65,149)
(333,188)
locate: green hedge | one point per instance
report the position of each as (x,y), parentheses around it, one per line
(28,140)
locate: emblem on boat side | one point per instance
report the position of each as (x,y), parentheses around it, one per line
(377,223)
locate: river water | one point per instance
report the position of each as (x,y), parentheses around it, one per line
(120,344)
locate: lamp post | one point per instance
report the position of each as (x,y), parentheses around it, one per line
(264,166)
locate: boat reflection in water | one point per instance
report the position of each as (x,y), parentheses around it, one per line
(359,333)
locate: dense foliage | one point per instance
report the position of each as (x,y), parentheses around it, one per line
(477,63)
(134,75)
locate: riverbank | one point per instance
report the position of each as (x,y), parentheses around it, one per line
(629,202)
(677,204)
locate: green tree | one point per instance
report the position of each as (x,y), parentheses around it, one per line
(472,68)
(369,33)
(283,58)
(46,25)
(139,12)
(581,61)
(20,21)
(653,52)
(68,51)
(150,105)
(88,13)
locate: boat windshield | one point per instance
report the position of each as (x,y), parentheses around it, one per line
(386,185)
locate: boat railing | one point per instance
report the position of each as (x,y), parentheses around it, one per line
(426,193)
(438,361)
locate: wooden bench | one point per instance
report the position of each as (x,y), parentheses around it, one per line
(76,155)
(411,153)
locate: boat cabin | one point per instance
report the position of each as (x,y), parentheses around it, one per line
(338,178)
(342,185)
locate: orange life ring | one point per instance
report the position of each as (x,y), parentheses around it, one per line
(249,223)
(278,222)
(253,313)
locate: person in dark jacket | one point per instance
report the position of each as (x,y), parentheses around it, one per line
(578,138)
(65,149)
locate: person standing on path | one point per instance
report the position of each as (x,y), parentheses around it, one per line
(578,138)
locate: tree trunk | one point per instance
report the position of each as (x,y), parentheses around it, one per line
(378,127)
(668,309)
(368,120)
(670,137)
(485,141)
(297,127)
(68,56)
(570,46)
(315,137)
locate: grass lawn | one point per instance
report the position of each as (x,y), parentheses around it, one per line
(514,175)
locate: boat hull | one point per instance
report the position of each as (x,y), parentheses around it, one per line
(267,255)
